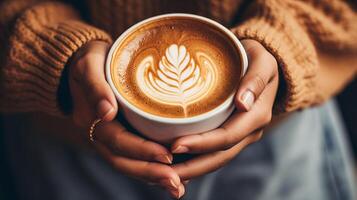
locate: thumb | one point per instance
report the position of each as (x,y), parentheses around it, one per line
(262,69)
(88,75)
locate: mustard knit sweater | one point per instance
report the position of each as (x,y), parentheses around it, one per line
(38,37)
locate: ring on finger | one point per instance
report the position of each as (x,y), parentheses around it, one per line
(92,128)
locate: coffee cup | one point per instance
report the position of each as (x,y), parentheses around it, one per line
(175,75)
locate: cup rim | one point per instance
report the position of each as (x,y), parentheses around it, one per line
(172,120)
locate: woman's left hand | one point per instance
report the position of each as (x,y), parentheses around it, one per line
(254,101)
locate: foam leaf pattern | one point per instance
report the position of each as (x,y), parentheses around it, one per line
(177,79)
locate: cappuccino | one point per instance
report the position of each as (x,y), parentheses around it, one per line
(176,68)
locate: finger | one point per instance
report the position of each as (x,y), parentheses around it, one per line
(145,171)
(262,69)
(234,130)
(88,74)
(181,191)
(121,142)
(82,112)
(210,162)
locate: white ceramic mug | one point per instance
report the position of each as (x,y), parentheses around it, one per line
(164,129)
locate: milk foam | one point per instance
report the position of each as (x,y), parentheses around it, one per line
(176,68)
(178,79)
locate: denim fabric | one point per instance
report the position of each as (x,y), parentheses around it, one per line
(304,157)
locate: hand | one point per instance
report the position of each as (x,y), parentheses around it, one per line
(93,99)
(254,101)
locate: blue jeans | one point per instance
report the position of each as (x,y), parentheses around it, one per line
(303,157)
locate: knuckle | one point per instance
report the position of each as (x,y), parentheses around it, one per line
(259,81)
(251,50)
(253,47)
(229,139)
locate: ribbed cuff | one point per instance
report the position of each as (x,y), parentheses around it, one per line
(296,58)
(37,56)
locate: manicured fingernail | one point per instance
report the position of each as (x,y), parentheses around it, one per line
(169,183)
(164,159)
(180,149)
(175,193)
(247,99)
(104,108)
(181,191)
(178,193)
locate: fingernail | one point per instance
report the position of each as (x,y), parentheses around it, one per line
(169,183)
(178,193)
(247,99)
(164,159)
(104,108)
(181,191)
(175,193)
(186,182)
(180,149)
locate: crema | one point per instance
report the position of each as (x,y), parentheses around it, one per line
(176,68)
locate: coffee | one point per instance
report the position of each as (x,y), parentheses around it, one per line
(176,67)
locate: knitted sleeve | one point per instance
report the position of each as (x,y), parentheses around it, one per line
(295,32)
(37,40)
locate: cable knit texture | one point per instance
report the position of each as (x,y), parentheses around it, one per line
(39,38)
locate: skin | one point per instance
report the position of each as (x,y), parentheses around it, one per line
(150,161)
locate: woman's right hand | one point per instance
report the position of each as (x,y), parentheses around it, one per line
(93,99)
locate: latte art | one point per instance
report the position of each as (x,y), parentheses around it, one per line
(178,79)
(176,68)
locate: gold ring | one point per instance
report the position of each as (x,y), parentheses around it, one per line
(91,129)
